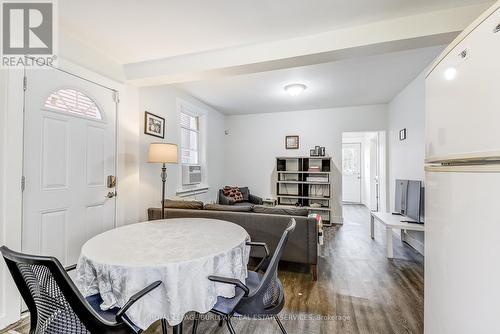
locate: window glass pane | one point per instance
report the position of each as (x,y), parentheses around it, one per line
(193,141)
(189,139)
(188,121)
(189,157)
(193,124)
(73,101)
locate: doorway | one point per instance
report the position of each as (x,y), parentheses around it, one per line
(69,163)
(363,169)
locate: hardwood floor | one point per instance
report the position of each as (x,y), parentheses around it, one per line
(358,289)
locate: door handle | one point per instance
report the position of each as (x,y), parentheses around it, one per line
(111,194)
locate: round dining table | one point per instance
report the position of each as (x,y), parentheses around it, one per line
(181,253)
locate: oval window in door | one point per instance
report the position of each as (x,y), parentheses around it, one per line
(74,102)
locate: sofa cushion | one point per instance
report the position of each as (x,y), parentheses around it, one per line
(247,204)
(179,204)
(233,208)
(281,210)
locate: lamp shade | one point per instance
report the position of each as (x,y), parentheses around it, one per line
(163,153)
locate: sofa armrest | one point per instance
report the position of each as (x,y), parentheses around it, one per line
(255,199)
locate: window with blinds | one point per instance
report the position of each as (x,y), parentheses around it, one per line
(190,132)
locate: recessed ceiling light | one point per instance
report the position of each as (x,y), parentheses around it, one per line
(450,73)
(295,89)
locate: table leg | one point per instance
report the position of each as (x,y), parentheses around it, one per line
(178,329)
(403,236)
(372,227)
(390,253)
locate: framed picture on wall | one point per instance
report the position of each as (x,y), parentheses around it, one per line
(292,142)
(154,125)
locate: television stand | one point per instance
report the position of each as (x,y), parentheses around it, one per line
(392,222)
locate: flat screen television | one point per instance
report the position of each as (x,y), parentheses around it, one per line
(409,199)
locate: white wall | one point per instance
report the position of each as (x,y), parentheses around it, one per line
(163,101)
(256,140)
(407,110)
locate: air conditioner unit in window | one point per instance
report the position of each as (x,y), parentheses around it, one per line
(191,174)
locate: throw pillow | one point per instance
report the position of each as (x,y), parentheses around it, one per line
(234,193)
(179,204)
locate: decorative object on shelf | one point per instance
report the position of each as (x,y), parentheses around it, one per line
(312,153)
(292,142)
(402,134)
(322,151)
(164,153)
(154,125)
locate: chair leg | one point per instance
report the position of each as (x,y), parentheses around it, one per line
(230,325)
(196,322)
(280,324)
(164,326)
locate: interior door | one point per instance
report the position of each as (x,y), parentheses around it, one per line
(69,152)
(351,172)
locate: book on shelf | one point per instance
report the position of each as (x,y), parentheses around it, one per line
(314,169)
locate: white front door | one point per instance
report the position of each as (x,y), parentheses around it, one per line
(69,152)
(351,172)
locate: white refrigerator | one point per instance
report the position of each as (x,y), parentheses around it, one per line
(462,237)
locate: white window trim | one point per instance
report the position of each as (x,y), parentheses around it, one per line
(190,109)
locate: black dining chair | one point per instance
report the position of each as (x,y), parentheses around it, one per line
(56,305)
(261,296)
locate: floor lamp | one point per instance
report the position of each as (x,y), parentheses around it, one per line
(163,153)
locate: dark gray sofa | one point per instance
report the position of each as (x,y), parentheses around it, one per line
(302,246)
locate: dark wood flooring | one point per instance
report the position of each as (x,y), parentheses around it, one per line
(358,289)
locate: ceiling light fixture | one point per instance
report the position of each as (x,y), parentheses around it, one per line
(295,89)
(450,73)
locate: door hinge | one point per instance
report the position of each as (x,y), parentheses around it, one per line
(23,183)
(116,96)
(25,83)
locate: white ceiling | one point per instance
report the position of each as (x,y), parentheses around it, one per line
(132,31)
(356,81)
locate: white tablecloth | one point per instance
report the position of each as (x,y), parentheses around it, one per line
(181,253)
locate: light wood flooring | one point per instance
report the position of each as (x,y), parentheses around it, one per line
(358,289)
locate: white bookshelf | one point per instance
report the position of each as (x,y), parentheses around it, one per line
(305,182)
